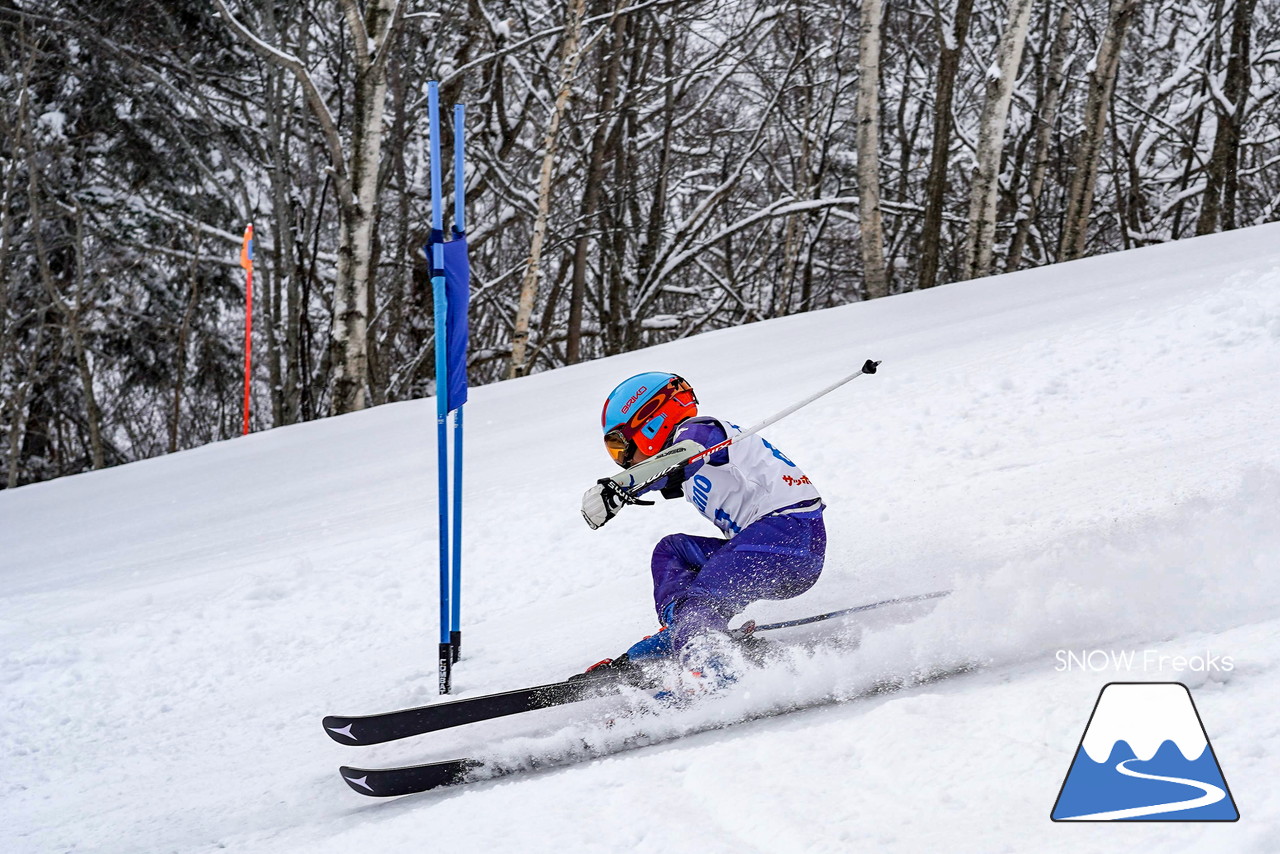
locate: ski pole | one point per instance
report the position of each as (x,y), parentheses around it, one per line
(750,627)
(868,368)
(678,456)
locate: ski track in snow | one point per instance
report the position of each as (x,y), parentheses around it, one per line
(1086,454)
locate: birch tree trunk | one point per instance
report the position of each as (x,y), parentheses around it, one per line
(951,49)
(980,236)
(875,280)
(371,37)
(1045,119)
(373,32)
(1222,180)
(569,58)
(1101,83)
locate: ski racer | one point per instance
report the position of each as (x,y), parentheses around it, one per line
(768,511)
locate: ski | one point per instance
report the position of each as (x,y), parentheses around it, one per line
(404,723)
(389,782)
(415,779)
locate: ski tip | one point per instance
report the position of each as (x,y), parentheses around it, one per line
(358,780)
(339,729)
(408,780)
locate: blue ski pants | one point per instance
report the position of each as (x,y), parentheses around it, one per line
(701,582)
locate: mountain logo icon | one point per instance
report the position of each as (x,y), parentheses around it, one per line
(1145,756)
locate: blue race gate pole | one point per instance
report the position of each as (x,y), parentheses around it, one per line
(455,634)
(460,228)
(441,304)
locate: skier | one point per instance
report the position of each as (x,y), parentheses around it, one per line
(768,511)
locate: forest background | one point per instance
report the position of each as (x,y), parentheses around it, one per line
(637,171)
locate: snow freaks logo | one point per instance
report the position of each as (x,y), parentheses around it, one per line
(1097,660)
(1145,756)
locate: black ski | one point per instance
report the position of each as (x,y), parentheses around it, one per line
(413,779)
(390,726)
(389,782)
(403,723)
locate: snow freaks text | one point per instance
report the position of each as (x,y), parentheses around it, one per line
(1147,660)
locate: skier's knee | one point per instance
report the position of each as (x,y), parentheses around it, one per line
(670,549)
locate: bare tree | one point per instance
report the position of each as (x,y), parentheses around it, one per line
(981,233)
(570,57)
(372,32)
(951,37)
(1222,181)
(714,163)
(1101,85)
(1046,116)
(874,276)
(70,311)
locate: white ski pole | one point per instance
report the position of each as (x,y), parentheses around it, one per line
(678,456)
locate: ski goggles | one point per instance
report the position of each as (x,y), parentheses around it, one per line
(622,449)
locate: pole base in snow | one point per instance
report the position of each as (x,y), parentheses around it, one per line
(455,641)
(446,667)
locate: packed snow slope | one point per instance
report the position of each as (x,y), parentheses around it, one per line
(1087,454)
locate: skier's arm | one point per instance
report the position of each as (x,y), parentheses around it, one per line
(606,498)
(689,439)
(706,433)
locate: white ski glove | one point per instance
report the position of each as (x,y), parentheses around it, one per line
(604,500)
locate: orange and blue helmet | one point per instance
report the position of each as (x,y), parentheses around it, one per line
(642,412)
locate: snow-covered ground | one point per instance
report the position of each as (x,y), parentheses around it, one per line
(1088,454)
